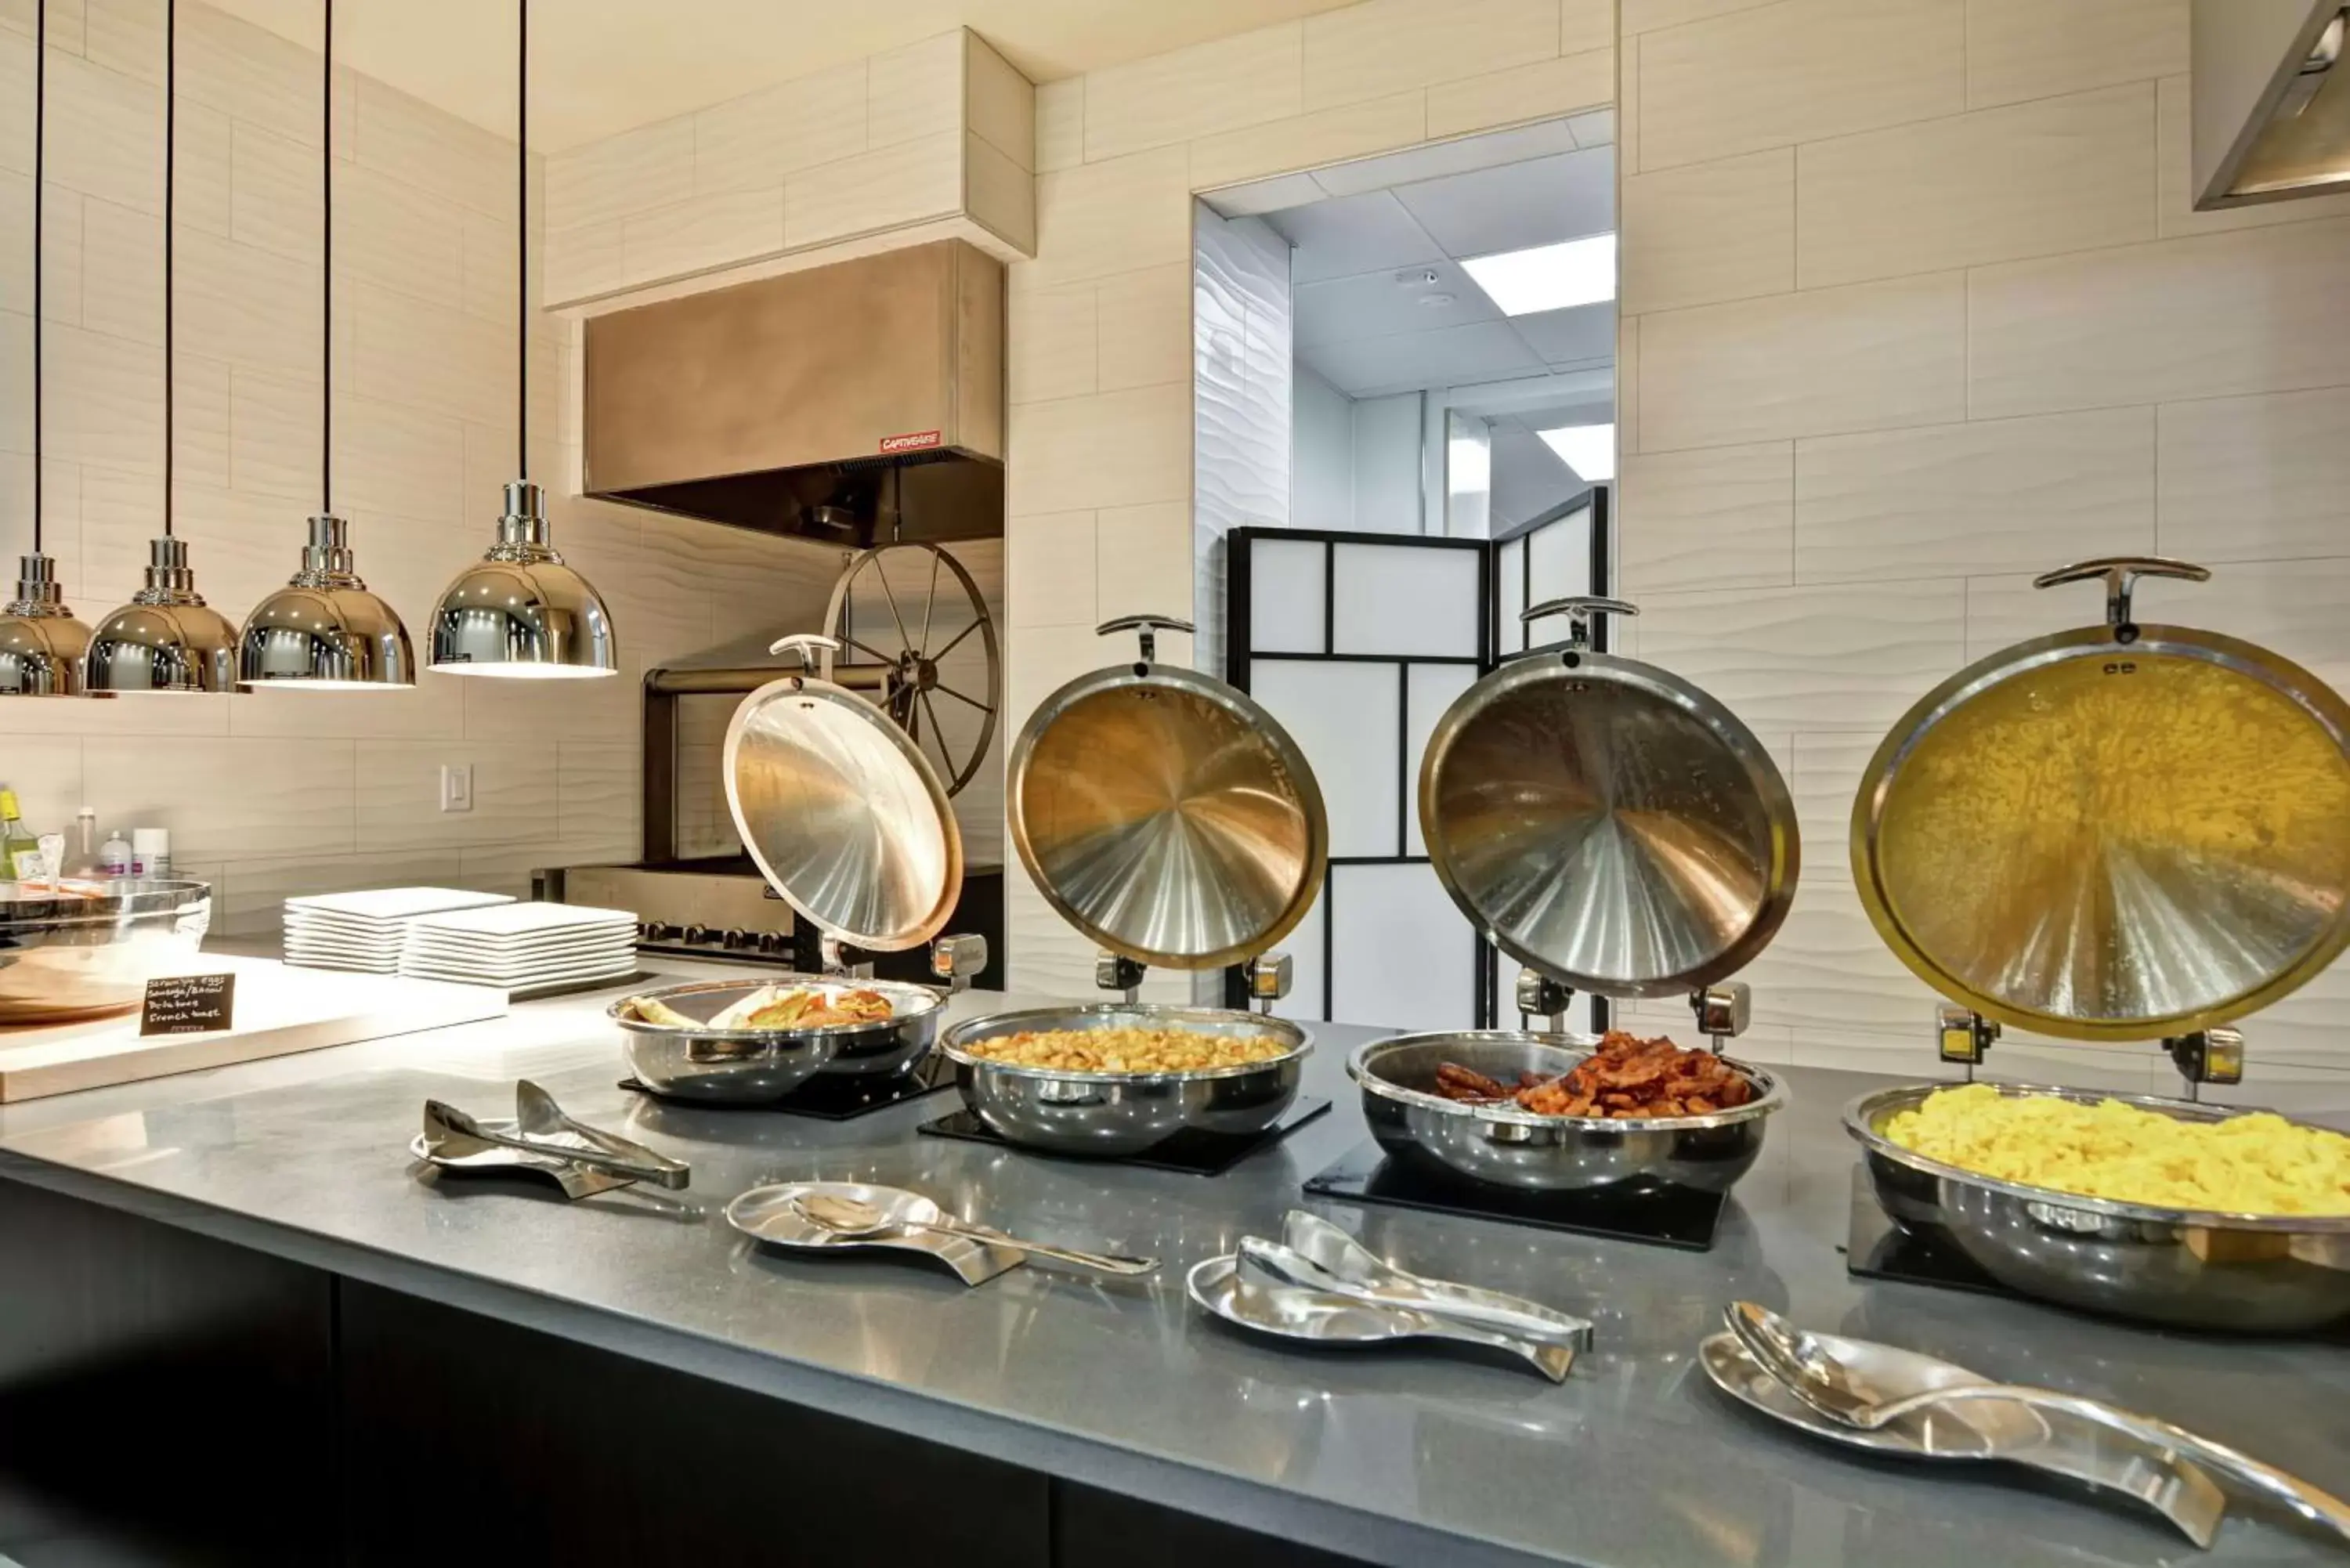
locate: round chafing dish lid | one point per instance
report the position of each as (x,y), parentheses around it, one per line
(841,811)
(2115,832)
(1165,814)
(1607,823)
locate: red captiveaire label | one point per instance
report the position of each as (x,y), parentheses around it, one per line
(913,443)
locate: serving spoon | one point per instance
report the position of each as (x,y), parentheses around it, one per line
(1811,1371)
(853,1219)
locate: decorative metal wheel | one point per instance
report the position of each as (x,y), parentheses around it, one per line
(901,610)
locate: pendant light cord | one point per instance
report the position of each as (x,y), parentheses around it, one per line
(40,150)
(522,240)
(170,192)
(327,274)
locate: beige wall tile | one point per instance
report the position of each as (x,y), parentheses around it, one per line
(2261,478)
(1718,518)
(701,233)
(1996,495)
(273,433)
(246,306)
(515,796)
(1628,385)
(1000,103)
(2062,174)
(890,186)
(1523,93)
(2252,311)
(752,141)
(1119,215)
(228,63)
(2176,179)
(1708,231)
(487,254)
(104,402)
(274,193)
(1145,334)
(1844,658)
(105,134)
(1051,342)
(404,237)
(1061,124)
(410,350)
(394,134)
(581,261)
(1627,106)
(1116,449)
(2019,49)
(1245,79)
(1648,16)
(916,92)
(1049,566)
(225,798)
(1585,25)
(1865,357)
(205,170)
(999,194)
(17,85)
(1795,72)
(634,172)
(1142,560)
(118,287)
(1310,141)
(1382,47)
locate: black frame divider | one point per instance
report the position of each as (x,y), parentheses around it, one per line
(1240,654)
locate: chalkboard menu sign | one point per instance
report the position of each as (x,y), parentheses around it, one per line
(187,1003)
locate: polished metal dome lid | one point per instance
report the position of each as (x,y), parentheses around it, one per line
(1166,815)
(2116,833)
(1606,823)
(840,809)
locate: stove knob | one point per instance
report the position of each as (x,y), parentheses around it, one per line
(773,942)
(740,940)
(662,931)
(700,936)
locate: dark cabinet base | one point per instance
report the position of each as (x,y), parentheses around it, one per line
(166,1400)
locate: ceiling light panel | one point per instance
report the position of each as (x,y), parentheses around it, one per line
(1548,277)
(1589,450)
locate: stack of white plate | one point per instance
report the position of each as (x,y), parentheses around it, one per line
(367,931)
(520,947)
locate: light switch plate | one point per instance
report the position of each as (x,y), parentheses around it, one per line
(456,786)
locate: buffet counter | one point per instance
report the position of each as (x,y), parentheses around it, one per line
(1119,1391)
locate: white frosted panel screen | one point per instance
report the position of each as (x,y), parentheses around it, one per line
(1304,947)
(1511,602)
(1430,690)
(1404,600)
(1286,582)
(1559,563)
(1348,720)
(1403,958)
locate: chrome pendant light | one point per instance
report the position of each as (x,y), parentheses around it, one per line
(41,642)
(520,612)
(166,638)
(324,631)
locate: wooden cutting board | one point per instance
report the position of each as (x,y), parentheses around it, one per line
(280,1008)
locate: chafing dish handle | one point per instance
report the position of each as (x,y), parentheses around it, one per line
(1579,610)
(2120,574)
(1150,625)
(814,649)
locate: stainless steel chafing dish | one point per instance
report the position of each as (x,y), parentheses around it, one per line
(2121,832)
(849,822)
(1618,831)
(79,950)
(1175,823)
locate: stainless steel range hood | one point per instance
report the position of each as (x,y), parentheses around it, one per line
(2271,100)
(848,403)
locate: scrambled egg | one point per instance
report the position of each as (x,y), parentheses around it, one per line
(2253,1164)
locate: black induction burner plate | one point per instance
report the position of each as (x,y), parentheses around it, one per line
(1674,1218)
(829,1096)
(1188,1153)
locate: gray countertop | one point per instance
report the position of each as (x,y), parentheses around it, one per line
(1399,1456)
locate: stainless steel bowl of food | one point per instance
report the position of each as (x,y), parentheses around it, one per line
(77,949)
(1490,1137)
(1118,1078)
(2188,1267)
(737,1041)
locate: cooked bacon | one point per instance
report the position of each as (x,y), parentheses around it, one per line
(1625,1078)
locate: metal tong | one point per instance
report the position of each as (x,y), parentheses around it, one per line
(542,1129)
(1315,1255)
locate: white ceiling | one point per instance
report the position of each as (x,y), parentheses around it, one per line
(601,67)
(1382,303)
